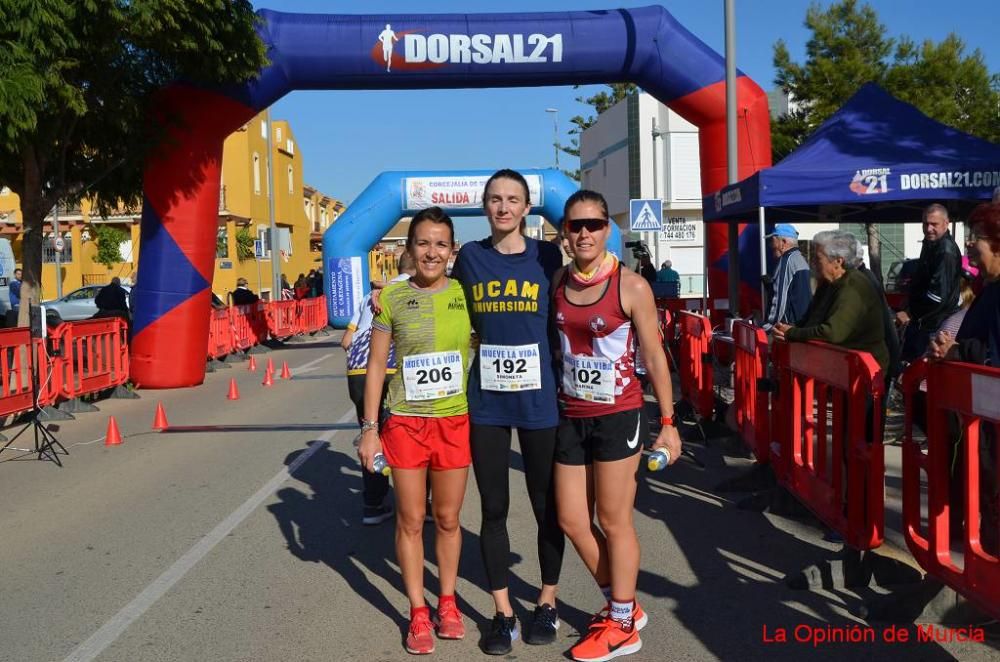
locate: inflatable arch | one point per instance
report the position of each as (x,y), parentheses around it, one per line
(646,46)
(394,195)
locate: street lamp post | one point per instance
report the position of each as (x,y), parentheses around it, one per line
(555,131)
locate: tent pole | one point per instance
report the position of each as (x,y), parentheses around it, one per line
(763,259)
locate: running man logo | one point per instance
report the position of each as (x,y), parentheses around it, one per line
(871,181)
(432,51)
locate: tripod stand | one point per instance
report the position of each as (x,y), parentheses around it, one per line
(46,445)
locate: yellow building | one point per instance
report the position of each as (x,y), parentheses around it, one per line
(301,215)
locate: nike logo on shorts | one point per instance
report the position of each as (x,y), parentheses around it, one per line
(634,441)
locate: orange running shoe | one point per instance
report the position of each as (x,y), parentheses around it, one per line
(449,621)
(419,640)
(639,616)
(606,640)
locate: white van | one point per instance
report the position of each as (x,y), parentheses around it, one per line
(7,266)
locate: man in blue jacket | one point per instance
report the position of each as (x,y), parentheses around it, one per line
(792,291)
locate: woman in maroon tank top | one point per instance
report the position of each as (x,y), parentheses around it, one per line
(602,310)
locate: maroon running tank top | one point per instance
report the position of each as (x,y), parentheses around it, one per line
(598,353)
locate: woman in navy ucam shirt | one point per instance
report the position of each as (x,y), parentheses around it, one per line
(512,384)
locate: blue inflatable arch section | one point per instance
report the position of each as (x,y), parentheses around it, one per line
(395,195)
(643,45)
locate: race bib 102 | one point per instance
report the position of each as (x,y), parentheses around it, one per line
(589,378)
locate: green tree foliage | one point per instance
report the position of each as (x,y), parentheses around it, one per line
(245,244)
(109,240)
(848,47)
(77,79)
(601,102)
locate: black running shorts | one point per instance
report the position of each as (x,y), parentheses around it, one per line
(581,441)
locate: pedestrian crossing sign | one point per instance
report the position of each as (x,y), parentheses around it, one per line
(645,215)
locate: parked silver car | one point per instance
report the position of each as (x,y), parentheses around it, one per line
(78,304)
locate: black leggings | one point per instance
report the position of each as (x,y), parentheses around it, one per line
(374,486)
(491,463)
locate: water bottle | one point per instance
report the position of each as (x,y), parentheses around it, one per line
(658,459)
(380,465)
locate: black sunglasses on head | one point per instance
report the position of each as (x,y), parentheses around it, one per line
(592,224)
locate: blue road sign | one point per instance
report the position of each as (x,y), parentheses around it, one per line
(645,215)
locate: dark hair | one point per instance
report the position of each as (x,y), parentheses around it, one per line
(507,173)
(987,217)
(432,215)
(585,195)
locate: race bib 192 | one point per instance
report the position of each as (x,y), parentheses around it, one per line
(510,367)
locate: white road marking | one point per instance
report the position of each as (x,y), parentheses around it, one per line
(110,631)
(306,366)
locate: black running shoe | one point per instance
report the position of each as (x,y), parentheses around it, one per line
(503,630)
(542,628)
(372,515)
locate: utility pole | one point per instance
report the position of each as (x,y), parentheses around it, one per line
(275,257)
(55,242)
(732,160)
(555,131)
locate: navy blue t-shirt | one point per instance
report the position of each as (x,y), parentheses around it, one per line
(509,297)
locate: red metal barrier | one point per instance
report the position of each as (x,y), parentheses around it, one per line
(828,422)
(968,395)
(752,405)
(282,318)
(220,334)
(695,369)
(92,356)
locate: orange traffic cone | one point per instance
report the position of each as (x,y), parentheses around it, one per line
(160,420)
(270,365)
(234,391)
(268,381)
(112,437)
(285,372)
(253,364)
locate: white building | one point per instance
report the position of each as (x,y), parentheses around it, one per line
(616,159)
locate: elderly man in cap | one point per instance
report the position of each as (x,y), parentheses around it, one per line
(791,286)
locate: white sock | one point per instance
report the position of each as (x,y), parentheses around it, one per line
(621,611)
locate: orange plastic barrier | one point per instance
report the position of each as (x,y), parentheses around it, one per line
(220,334)
(828,424)
(312,314)
(969,395)
(249,324)
(695,369)
(92,356)
(15,371)
(752,405)
(283,318)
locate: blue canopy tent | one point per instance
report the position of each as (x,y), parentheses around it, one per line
(877,159)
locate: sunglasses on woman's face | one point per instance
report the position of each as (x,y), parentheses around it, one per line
(576,225)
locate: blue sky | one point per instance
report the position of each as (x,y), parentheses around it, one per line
(346,138)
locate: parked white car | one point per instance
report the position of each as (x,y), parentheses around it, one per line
(78,304)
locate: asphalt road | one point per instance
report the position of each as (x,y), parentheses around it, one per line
(246,545)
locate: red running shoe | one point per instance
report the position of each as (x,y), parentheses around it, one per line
(449,621)
(419,640)
(606,640)
(639,616)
